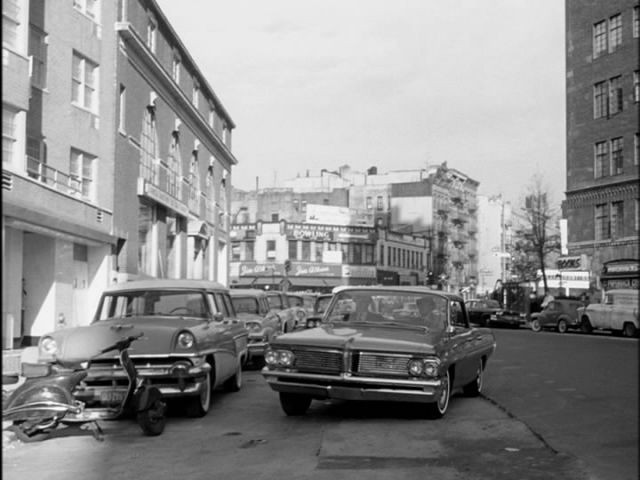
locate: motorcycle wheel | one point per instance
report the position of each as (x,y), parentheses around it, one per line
(152,420)
(23,437)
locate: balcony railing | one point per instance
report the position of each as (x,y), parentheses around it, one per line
(61,181)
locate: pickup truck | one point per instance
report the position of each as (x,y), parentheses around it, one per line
(618,313)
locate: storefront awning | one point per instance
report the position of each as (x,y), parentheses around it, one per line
(254,282)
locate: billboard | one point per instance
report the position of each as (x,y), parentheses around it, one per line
(330,215)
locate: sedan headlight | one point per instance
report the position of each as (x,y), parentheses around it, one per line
(283,358)
(48,346)
(415,367)
(186,340)
(425,367)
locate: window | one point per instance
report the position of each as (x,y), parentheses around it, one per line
(306,251)
(637,224)
(271,249)
(304,206)
(636,148)
(617,219)
(249,249)
(174,165)
(636,22)
(293,249)
(38,56)
(602,222)
(275,217)
(88,7)
(151,34)
(600,100)
(195,93)
(175,69)
(295,205)
(194,179)
(84,83)
(122,103)
(617,155)
(601,160)
(149,146)
(599,38)
(8,134)
(81,172)
(212,116)
(369,203)
(380,206)
(615,95)
(615,32)
(636,86)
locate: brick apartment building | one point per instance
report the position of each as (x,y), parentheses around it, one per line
(603,94)
(116,160)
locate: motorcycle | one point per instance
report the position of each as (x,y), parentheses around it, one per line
(47,399)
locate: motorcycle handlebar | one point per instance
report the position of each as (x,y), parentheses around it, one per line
(121,344)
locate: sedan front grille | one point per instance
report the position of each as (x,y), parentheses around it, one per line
(318,361)
(380,364)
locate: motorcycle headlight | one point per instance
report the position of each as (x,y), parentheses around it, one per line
(186,340)
(48,346)
(415,367)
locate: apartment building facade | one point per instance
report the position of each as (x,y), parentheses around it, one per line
(603,146)
(116,160)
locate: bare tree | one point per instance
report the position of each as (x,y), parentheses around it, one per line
(539,237)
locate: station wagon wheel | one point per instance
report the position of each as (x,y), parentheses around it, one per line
(562,326)
(629,330)
(535,325)
(473,389)
(294,404)
(198,406)
(234,384)
(438,408)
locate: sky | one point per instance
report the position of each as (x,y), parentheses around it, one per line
(399,85)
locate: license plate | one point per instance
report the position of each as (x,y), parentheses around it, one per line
(112,396)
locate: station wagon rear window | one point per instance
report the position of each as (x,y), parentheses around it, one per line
(245,304)
(158,303)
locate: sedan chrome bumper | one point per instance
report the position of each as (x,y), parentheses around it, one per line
(348,387)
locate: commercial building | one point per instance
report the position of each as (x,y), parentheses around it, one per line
(603,148)
(116,160)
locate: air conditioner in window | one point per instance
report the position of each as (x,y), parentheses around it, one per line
(271,254)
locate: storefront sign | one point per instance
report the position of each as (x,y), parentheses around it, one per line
(314,269)
(610,284)
(358,271)
(331,215)
(576,262)
(622,268)
(260,269)
(328,233)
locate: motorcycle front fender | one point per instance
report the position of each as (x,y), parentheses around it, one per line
(145,397)
(53,389)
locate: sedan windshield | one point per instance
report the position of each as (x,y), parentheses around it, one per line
(245,304)
(389,308)
(160,303)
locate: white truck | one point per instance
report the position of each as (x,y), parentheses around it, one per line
(618,312)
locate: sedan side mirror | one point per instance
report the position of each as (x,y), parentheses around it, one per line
(217,317)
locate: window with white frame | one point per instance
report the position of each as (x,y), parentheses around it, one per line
(88,7)
(194,175)
(601,168)
(599,38)
(212,116)
(84,83)
(615,95)
(10,23)
(149,146)
(380,205)
(636,22)
(9,117)
(152,28)
(636,86)
(175,69)
(81,171)
(617,155)
(600,97)
(615,32)
(38,56)
(174,165)
(369,203)
(122,108)
(195,93)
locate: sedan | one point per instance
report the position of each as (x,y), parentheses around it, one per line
(362,352)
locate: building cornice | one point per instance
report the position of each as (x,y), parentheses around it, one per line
(604,193)
(158,78)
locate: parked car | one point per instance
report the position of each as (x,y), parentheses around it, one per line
(618,312)
(192,341)
(560,314)
(506,318)
(280,304)
(319,307)
(480,310)
(252,306)
(358,353)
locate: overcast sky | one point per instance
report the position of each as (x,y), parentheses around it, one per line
(314,84)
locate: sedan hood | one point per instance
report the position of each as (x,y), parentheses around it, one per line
(398,339)
(81,343)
